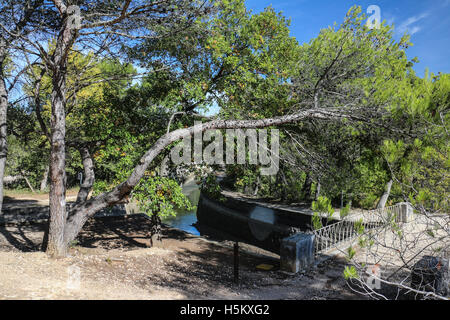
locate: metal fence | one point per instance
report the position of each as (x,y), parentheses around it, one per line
(338,233)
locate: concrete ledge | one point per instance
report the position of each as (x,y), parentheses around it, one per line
(297,252)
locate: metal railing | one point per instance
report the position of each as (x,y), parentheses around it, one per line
(339,233)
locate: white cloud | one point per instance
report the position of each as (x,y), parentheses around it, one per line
(406,26)
(414,30)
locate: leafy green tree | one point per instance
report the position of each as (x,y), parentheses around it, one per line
(354,70)
(419,165)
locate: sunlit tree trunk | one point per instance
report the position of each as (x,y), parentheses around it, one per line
(57,246)
(3,132)
(384,198)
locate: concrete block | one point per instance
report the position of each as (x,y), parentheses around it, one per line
(406,212)
(297,252)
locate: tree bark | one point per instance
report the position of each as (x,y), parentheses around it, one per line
(57,245)
(3,131)
(306,190)
(384,198)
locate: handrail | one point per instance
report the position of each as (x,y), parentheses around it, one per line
(345,230)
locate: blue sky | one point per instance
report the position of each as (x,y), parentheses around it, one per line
(428,21)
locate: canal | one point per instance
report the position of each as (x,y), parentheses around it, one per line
(184,220)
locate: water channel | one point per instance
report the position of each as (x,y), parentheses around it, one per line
(184,220)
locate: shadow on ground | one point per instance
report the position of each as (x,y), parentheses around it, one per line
(193,266)
(123,232)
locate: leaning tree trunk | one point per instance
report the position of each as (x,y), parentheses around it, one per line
(28,182)
(387,191)
(3,132)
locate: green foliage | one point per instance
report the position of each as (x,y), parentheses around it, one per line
(323,205)
(344,156)
(316,221)
(350,273)
(101,186)
(421,165)
(359,227)
(233,59)
(351,253)
(345,211)
(250,66)
(160,196)
(211,188)
(320,207)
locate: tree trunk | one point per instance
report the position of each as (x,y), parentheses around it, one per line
(45,178)
(3,132)
(257,184)
(28,8)
(285,183)
(57,246)
(384,198)
(306,190)
(12,179)
(28,183)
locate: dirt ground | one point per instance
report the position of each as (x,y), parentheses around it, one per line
(113,259)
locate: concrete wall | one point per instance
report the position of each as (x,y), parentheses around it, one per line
(297,252)
(238,220)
